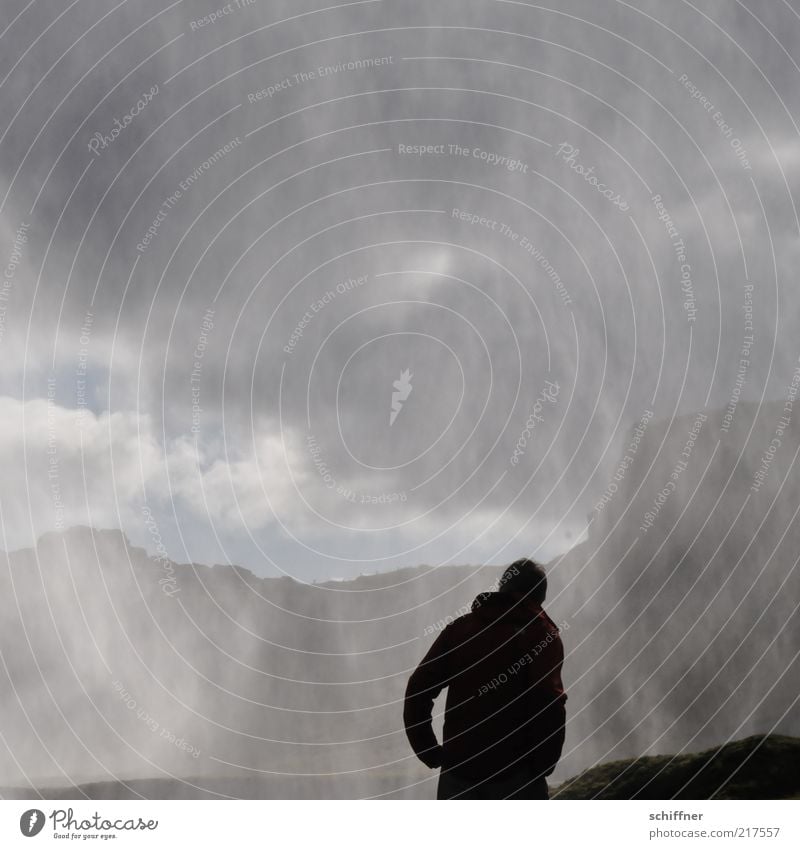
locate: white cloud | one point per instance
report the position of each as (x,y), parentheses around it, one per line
(64,467)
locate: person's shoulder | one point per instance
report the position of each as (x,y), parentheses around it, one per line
(451,627)
(463,626)
(547,623)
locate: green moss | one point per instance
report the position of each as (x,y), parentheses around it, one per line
(760,767)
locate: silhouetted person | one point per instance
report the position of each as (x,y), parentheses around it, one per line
(504,718)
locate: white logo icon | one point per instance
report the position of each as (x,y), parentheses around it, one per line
(402,389)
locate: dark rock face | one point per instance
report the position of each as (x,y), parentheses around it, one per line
(687,624)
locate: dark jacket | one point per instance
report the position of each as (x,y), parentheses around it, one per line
(505,708)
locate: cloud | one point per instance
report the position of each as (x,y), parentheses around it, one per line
(64,467)
(316,192)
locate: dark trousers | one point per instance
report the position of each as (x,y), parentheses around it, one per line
(520,785)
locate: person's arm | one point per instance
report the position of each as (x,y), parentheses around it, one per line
(550,714)
(424,685)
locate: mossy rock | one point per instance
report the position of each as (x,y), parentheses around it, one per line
(760,767)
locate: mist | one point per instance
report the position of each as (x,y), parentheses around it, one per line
(313,318)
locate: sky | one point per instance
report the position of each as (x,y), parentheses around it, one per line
(322,290)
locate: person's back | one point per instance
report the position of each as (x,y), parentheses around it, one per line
(504,716)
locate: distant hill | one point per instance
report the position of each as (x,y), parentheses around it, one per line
(115,663)
(758,767)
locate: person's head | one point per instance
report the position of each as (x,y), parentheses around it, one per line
(525,579)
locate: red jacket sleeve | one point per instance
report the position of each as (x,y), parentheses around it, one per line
(424,685)
(550,700)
